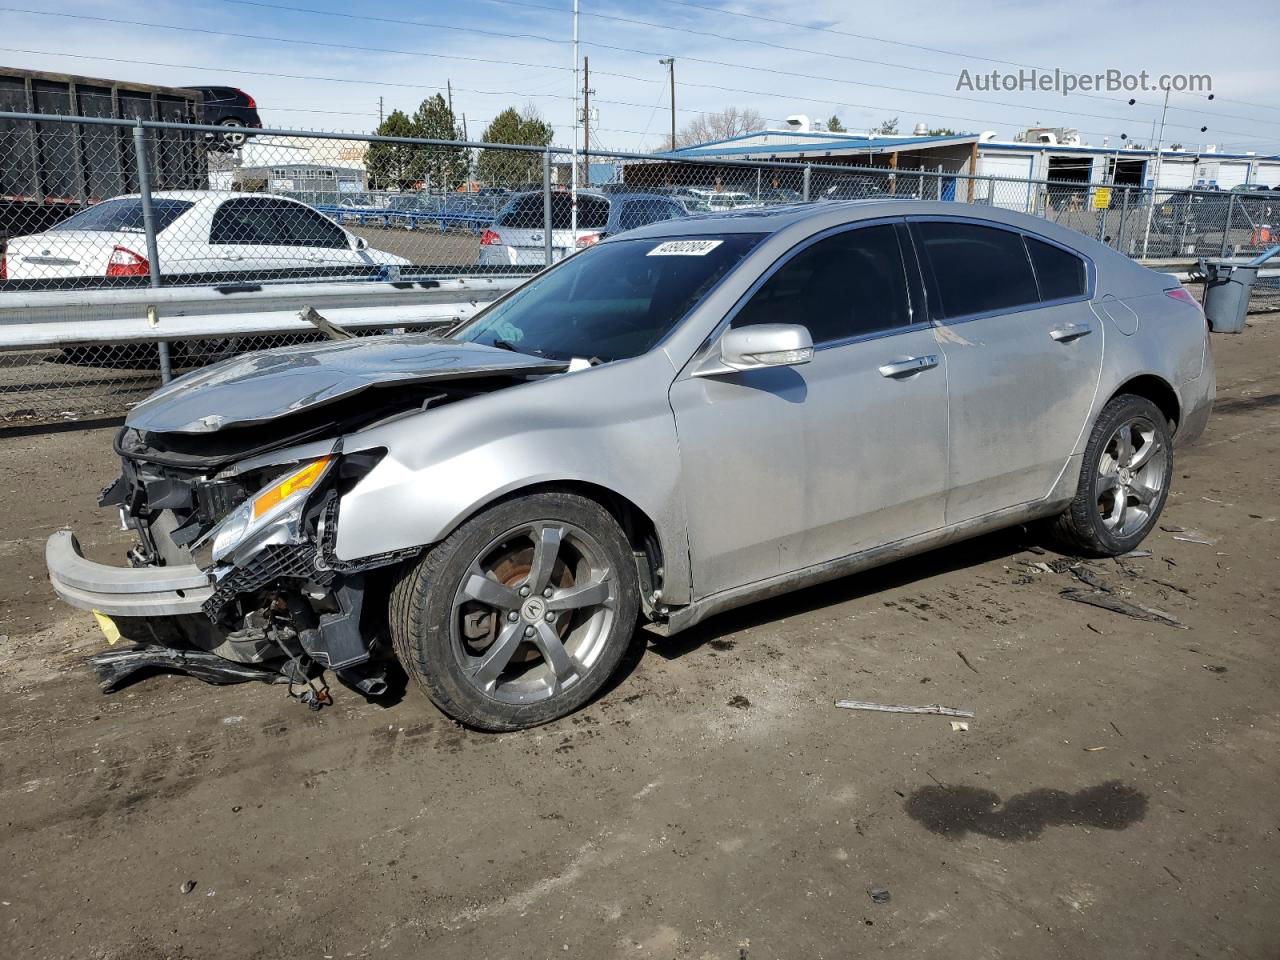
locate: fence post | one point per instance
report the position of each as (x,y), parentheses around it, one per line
(1226,226)
(546,205)
(149,228)
(1124,221)
(808,173)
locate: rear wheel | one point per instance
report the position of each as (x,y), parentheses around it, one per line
(522,614)
(234,137)
(1124,480)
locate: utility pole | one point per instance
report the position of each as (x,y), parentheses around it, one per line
(670,64)
(379,111)
(448,85)
(586,121)
(573,160)
(1155,180)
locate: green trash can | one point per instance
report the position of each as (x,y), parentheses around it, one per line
(1227,288)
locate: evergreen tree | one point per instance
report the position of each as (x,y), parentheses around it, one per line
(440,168)
(392,165)
(835,126)
(508,167)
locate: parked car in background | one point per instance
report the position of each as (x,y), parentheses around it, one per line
(677,421)
(232,108)
(518,234)
(197,232)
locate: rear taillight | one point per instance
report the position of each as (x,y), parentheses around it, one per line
(489,238)
(588,240)
(123,262)
(4,267)
(1178,293)
(251,103)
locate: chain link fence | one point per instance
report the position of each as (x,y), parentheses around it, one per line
(95,204)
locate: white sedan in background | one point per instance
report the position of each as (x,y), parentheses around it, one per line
(199,232)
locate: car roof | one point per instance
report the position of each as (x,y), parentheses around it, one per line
(808,218)
(195,196)
(764,219)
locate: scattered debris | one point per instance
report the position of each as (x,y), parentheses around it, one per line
(1038,551)
(1113,603)
(739,701)
(1215,668)
(1039,565)
(960,654)
(1093,749)
(1204,541)
(899,708)
(959,726)
(1172,874)
(1094,629)
(1172,528)
(187,886)
(880,894)
(1114,727)
(1222,502)
(1135,555)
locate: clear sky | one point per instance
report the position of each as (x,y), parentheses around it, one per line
(862,61)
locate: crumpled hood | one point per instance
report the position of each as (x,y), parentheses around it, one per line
(258,387)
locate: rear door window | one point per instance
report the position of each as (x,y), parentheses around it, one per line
(847,285)
(1060,274)
(975,269)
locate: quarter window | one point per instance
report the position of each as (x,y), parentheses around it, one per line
(847,285)
(1059,273)
(976,269)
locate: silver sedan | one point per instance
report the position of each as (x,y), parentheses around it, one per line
(671,423)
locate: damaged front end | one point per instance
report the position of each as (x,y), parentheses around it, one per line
(234,576)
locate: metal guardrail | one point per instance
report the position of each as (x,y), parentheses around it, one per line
(65,318)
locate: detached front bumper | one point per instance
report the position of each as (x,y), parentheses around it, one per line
(123,591)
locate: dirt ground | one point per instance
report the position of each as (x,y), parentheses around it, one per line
(1115,796)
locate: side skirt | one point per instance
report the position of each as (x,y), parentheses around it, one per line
(686,617)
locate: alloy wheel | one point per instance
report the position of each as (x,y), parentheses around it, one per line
(1131,477)
(532,614)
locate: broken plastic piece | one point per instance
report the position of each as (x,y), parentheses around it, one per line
(114,666)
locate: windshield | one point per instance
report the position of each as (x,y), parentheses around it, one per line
(612,301)
(125,215)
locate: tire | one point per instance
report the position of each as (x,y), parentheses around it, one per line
(1116,503)
(499,638)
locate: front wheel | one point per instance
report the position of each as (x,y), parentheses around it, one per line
(522,614)
(1124,480)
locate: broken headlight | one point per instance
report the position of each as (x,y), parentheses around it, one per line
(272,515)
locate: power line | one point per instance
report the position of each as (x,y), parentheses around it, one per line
(705,8)
(310,43)
(718,63)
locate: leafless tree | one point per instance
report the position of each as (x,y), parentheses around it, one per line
(729,122)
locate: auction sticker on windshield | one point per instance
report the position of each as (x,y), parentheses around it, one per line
(684,248)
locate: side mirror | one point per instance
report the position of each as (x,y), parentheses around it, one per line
(362,243)
(764,345)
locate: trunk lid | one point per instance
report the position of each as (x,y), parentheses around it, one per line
(68,253)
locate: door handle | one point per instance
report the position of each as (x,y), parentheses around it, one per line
(1070,331)
(912,365)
